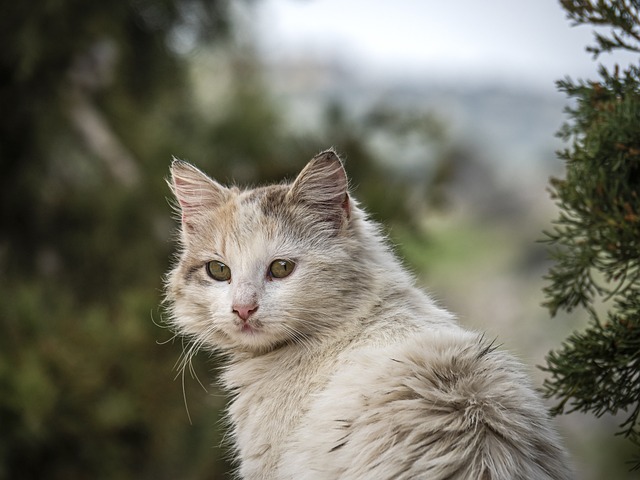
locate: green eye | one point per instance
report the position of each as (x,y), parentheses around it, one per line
(218,271)
(281,268)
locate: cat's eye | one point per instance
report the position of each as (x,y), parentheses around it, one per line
(281,268)
(218,271)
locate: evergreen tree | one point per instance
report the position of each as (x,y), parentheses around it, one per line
(595,241)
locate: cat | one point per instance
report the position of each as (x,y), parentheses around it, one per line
(337,365)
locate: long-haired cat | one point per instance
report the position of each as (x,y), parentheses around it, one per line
(337,365)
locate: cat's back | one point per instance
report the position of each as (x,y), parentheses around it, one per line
(443,404)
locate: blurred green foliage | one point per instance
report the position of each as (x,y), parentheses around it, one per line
(91,94)
(96,97)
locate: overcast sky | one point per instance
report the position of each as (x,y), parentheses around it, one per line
(517,41)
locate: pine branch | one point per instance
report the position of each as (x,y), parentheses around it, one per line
(604,358)
(623,15)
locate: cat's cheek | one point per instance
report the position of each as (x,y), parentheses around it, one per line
(190,319)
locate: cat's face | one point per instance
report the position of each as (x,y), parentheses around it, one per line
(264,267)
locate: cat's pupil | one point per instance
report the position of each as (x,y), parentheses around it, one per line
(218,271)
(281,268)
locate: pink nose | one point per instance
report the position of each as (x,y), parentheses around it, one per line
(244,311)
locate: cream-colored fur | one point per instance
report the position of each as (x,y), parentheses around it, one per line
(342,369)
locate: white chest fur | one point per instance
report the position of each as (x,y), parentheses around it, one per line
(272,394)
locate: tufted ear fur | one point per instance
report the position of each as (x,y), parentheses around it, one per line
(323,186)
(195,191)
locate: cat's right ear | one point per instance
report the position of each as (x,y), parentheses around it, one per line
(323,186)
(195,192)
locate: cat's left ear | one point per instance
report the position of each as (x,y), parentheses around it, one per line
(323,185)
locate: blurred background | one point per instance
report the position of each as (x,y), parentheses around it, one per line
(445,113)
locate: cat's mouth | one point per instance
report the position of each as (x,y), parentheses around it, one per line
(251,327)
(246,328)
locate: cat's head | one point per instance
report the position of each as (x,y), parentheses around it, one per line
(265,267)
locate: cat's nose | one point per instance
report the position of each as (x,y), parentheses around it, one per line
(244,311)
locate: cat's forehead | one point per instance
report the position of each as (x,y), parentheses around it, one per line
(247,226)
(255,211)
(269,201)
(254,221)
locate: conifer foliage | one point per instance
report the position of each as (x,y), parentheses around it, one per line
(595,241)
